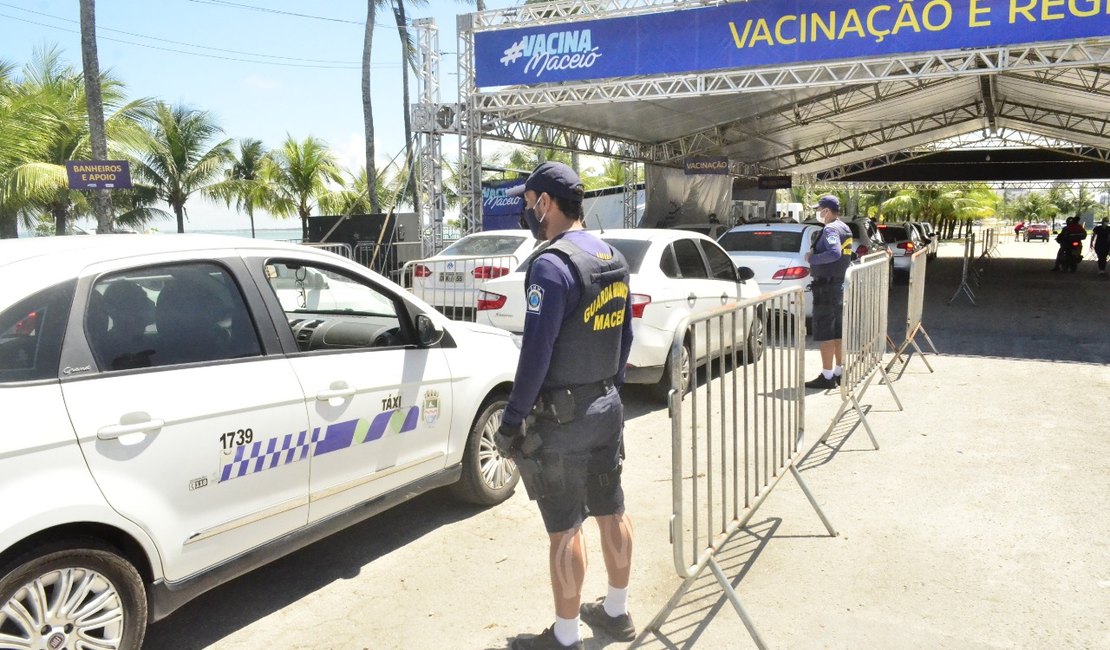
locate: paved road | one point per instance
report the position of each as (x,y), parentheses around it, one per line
(980,523)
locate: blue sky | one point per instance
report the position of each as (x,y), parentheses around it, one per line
(315,90)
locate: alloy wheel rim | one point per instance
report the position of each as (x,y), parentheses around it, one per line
(74,608)
(496,470)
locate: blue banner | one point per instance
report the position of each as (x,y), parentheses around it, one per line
(772,32)
(98,174)
(501,212)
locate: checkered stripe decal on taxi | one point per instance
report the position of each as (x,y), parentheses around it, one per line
(291,448)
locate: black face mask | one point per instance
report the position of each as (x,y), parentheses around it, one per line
(528,219)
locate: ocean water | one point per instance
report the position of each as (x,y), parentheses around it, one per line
(278,234)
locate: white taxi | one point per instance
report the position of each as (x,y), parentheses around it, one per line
(186,408)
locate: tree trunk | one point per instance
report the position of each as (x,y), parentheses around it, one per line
(179,211)
(402,28)
(368,111)
(60,210)
(102,203)
(9,228)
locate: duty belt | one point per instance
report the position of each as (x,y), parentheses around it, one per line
(583,392)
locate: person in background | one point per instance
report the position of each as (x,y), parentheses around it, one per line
(832,253)
(1100,243)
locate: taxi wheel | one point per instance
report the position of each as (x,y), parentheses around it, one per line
(487,477)
(72,596)
(662,389)
(757,340)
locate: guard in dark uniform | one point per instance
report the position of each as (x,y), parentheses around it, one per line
(827,264)
(564,421)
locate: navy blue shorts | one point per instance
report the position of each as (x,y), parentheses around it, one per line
(581,464)
(828,311)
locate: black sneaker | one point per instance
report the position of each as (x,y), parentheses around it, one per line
(543,641)
(822,382)
(619,628)
(836,378)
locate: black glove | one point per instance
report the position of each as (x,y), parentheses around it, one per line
(508,439)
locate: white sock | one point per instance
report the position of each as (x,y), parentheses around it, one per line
(616,602)
(566,630)
(827,373)
(838,370)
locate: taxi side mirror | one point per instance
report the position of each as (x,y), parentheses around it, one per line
(426,331)
(744,273)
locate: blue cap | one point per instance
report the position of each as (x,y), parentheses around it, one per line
(555,178)
(828,201)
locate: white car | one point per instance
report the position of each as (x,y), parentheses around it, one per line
(180,409)
(674,273)
(903,240)
(776,252)
(449,280)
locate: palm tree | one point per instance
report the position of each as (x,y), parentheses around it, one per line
(296,175)
(243,185)
(58,93)
(177,157)
(409,60)
(102,203)
(367,106)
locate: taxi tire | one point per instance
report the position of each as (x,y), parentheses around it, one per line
(472,486)
(757,339)
(661,389)
(87,554)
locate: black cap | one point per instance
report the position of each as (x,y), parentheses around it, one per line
(828,201)
(555,178)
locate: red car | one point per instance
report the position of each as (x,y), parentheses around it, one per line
(1037,231)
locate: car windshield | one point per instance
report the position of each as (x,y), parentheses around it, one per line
(762,241)
(633,251)
(485,245)
(892,234)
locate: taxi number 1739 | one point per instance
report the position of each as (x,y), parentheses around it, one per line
(238,438)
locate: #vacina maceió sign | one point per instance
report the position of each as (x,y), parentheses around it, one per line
(772,32)
(98,174)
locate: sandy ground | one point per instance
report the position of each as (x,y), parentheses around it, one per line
(980,523)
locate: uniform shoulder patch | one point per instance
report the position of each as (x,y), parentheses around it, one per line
(535,298)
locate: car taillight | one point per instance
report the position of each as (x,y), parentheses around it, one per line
(861,251)
(421,271)
(489,272)
(487,300)
(791,273)
(906,246)
(639,302)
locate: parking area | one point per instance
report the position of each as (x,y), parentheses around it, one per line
(980,523)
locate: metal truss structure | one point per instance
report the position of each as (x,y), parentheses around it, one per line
(425,123)
(818,122)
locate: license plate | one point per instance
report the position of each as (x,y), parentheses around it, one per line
(447,276)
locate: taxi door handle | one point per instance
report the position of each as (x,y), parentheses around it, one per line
(113,431)
(337,390)
(692,298)
(724,298)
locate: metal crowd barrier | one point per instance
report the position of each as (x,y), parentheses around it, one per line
(969,273)
(735,434)
(866,299)
(915,307)
(343,250)
(386,259)
(451,285)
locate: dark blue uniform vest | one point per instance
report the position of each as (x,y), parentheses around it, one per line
(588,347)
(834,270)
